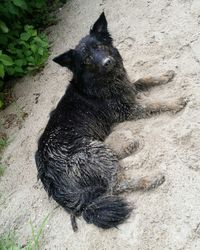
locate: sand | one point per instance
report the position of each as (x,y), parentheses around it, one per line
(153,37)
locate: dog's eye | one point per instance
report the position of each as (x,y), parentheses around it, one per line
(87,60)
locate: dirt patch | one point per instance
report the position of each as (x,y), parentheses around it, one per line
(153,37)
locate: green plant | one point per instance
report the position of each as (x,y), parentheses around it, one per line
(3,143)
(36,235)
(27,53)
(9,241)
(23,48)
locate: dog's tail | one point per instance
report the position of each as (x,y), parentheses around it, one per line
(97,208)
(107,211)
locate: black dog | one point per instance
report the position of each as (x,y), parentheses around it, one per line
(74,165)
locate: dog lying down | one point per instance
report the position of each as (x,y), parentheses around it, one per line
(77,169)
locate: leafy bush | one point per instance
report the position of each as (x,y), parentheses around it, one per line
(24,54)
(23,47)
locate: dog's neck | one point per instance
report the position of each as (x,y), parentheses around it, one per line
(102,87)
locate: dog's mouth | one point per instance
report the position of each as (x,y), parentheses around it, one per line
(98,70)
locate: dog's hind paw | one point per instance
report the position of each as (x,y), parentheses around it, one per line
(127,145)
(154,181)
(128,149)
(145,183)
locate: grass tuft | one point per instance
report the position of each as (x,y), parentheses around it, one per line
(9,241)
(3,142)
(2,169)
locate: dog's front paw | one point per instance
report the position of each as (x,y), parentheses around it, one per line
(179,104)
(168,76)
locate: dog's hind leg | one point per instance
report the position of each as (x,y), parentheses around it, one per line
(151,81)
(142,183)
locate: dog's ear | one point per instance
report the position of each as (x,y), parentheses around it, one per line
(66,59)
(100,26)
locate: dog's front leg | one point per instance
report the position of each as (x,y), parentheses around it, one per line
(139,111)
(152,81)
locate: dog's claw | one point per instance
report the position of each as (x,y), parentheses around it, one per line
(169,75)
(157,180)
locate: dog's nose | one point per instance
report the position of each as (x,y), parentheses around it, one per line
(108,63)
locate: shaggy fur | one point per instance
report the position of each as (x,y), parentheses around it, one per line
(74,165)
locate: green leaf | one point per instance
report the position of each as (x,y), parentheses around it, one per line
(3,27)
(33,48)
(39,4)
(30,59)
(6,60)
(19,53)
(25,36)
(25,43)
(27,53)
(33,32)
(41,51)
(2,72)
(20,3)
(20,62)
(12,8)
(30,30)
(28,27)
(18,69)
(38,39)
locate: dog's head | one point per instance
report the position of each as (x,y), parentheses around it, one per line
(95,53)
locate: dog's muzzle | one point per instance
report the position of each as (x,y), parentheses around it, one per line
(108,63)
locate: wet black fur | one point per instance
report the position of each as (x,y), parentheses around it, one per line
(74,165)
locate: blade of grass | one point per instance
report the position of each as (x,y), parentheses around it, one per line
(2,169)
(36,236)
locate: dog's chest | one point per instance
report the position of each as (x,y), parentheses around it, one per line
(119,105)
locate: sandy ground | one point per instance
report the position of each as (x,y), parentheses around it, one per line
(153,37)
